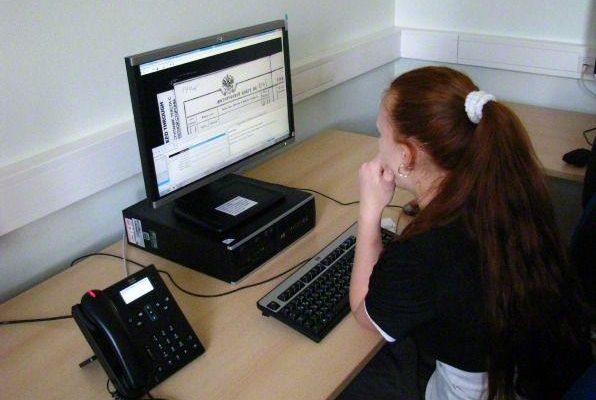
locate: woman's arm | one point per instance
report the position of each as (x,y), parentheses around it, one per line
(368,248)
(376,190)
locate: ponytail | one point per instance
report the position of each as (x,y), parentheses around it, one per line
(495,186)
(530,290)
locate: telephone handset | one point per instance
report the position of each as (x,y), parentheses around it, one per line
(137,331)
(100,318)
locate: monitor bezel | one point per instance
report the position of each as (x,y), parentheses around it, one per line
(133,64)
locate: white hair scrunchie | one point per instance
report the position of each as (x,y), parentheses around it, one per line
(474,102)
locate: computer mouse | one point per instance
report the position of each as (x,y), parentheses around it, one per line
(577,157)
(411,209)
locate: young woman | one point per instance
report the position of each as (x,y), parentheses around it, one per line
(479,277)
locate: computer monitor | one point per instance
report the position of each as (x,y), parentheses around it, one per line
(206,108)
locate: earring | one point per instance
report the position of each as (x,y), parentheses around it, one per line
(400,172)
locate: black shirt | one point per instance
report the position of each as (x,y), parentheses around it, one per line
(430,287)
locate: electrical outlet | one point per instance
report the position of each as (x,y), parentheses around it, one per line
(588,64)
(589,61)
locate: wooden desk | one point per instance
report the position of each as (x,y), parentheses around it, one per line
(554,133)
(247,355)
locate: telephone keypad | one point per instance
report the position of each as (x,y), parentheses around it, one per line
(167,348)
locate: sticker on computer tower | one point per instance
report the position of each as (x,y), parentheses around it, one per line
(154,240)
(130,231)
(134,231)
(138,228)
(236,206)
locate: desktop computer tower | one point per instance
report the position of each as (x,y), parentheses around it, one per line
(227,256)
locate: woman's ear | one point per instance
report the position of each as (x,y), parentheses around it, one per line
(407,156)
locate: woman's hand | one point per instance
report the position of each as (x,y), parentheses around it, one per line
(377,186)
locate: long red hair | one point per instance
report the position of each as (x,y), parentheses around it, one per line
(495,186)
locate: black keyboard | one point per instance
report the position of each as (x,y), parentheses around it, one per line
(314,299)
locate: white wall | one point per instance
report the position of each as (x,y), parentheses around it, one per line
(63,68)
(571,21)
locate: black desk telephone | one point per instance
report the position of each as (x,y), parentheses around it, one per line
(137,331)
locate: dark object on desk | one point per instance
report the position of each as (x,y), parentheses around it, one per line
(583,242)
(137,331)
(577,157)
(227,203)
(411,209)
(315,299)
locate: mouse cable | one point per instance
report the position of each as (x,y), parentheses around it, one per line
(335,200)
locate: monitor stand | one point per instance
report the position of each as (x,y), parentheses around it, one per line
(226,203)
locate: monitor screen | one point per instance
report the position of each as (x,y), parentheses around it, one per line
(208,107)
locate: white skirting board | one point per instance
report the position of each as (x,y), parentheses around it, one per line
(35,187)
(514,54)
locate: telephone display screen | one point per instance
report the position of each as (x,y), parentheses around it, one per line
(136,290)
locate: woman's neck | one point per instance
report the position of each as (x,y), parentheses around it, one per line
(426,187)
